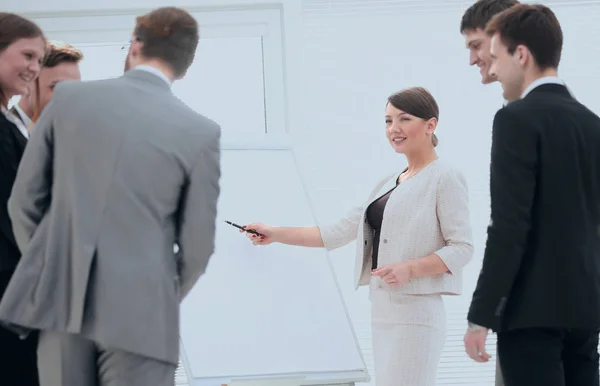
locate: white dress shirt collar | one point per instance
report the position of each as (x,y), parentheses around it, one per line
(26,119)
(154,71)
(16,121)
(541,81)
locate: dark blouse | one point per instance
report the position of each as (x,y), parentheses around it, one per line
(375,219)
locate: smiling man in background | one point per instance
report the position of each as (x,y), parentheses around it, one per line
(472,27)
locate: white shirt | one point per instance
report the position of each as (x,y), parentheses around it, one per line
(27,122)
(154,71)
(544,80)
(11,117)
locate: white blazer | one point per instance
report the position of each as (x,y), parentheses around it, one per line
(427,213)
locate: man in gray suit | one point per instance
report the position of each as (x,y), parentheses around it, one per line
(116,173)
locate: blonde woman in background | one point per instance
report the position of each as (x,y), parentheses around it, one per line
(413,239)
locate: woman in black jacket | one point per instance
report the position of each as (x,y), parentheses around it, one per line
(22,49)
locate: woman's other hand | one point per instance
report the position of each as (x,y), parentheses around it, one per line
(395,274)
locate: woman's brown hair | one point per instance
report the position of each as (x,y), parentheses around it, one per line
(12,28)
(55,55)
(419,102)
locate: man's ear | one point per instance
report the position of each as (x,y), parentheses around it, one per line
(523,54)
(135,49)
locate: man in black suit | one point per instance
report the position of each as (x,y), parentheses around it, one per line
(539,287)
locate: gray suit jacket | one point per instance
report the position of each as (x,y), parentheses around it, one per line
(116,173)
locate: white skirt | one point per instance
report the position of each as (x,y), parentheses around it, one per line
(408,332)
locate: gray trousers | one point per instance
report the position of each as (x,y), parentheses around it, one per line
(499,378)
(71,360)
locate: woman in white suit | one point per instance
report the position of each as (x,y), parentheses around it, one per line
(413,240)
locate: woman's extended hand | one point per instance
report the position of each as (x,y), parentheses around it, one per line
(266,232)
(394,274)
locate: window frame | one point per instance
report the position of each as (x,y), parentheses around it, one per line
(115,27)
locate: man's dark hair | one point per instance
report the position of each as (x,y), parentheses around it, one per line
(169,34)
(479,14)
(419,102)
(58,54)
(533,26)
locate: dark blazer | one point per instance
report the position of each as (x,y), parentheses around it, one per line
(541,266)
(12,145)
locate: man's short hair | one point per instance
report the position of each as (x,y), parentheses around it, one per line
(58,54)
(533,26)
(169,34)
(479,14)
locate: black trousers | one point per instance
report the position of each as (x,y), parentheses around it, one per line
(549,357)
(18,358)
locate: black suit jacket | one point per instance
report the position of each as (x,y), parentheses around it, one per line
(12,145)
(541,266)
